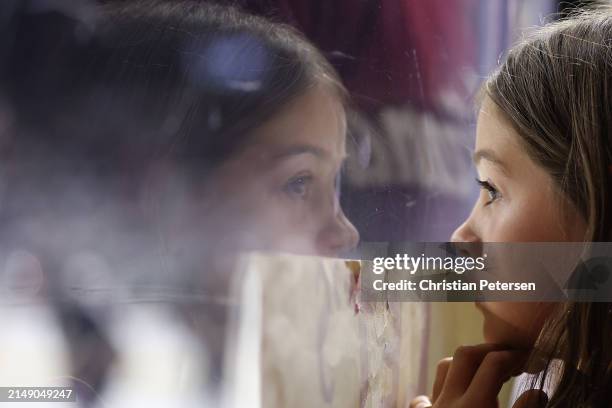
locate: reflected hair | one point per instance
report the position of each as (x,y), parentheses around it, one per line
(145,79)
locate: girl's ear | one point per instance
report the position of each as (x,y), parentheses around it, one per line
(171,200)
(163,193)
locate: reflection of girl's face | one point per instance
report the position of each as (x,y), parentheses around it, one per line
(518,203)
(280,192)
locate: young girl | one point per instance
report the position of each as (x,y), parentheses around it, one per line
(150,141)
(544,156)
(175,99)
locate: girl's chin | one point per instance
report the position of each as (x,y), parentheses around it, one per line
(498,331)
(508,336)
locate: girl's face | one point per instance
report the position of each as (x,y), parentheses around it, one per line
(280,192)
(518,203)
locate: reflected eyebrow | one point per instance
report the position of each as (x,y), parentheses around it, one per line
(489,155)
(299,149)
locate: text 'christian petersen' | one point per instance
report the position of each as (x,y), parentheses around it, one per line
(456,285)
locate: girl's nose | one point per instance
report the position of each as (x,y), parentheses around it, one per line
(337,237)
(465,233)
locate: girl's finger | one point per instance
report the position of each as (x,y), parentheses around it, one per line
(465,363)
(532,399)
(496,368)
(422,401)
(441,374)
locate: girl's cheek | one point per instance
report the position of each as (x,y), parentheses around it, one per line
(497,223)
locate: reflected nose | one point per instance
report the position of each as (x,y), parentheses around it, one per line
(338,237)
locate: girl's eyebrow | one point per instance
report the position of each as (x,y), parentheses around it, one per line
(490,156)
(300,149)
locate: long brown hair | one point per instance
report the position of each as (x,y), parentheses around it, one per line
(555,87)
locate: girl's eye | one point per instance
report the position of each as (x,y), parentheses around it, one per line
(491,190)
(298,186)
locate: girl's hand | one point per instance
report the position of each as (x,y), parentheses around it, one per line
(474,376)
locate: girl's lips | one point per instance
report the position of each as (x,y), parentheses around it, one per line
(355,287)
(355,268)
(480,306)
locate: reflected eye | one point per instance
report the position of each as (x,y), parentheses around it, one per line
(493,193)
(298,186)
